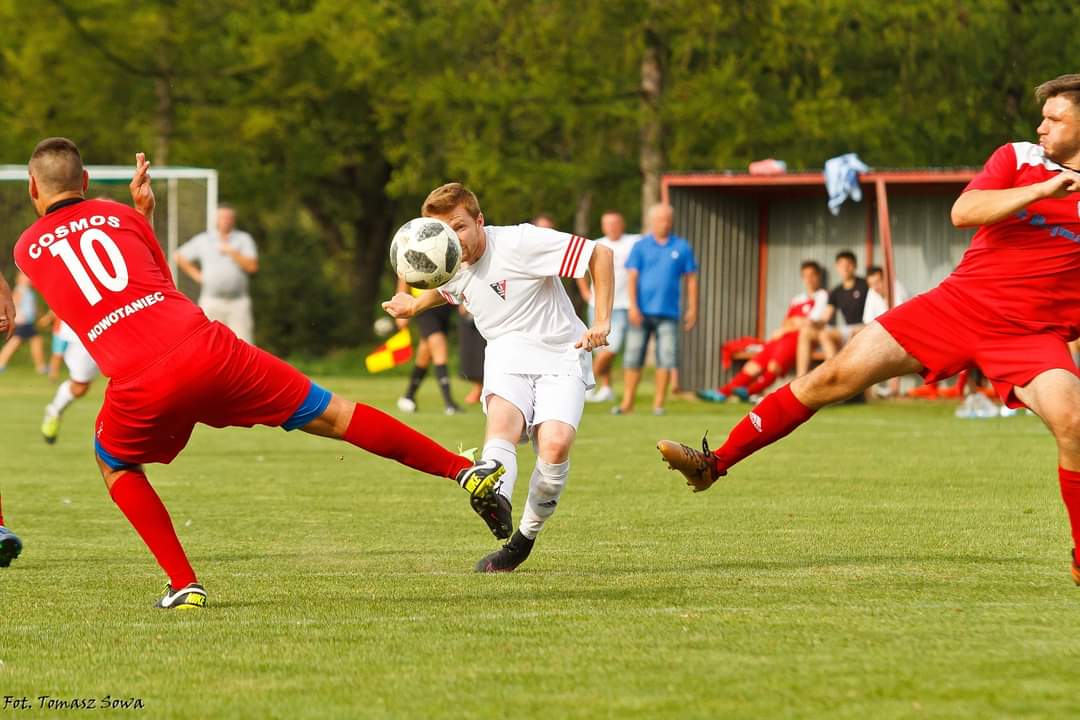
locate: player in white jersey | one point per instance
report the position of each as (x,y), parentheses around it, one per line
(82,370)
(538,364)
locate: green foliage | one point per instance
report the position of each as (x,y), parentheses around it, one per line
(348,114)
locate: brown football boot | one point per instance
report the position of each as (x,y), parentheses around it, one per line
(700,467)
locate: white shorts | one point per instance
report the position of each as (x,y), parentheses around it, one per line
(233,313)
(846,331)
(80,365)
(539,398)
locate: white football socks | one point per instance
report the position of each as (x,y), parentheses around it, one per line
(505,452)
(61,400)
(546,485)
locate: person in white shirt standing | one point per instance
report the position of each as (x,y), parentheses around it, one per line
(615,239)
(225,258)
(537,368)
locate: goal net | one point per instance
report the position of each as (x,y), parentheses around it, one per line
(187,201)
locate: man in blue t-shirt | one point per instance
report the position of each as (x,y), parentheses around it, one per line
(657,265)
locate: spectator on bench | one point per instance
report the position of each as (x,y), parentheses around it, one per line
(777,358)
(876,302)
(849,297)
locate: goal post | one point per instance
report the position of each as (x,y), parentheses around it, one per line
(187,203)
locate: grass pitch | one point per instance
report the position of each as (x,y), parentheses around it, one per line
(884,561)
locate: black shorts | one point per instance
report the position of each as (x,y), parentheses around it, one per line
(436,320)
(25,332)
(472,347)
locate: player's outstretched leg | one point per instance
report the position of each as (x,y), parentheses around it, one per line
(554,440)
(375,431)
(872,356)
(132,493)
(10,545)
(505,425)
(1054,395)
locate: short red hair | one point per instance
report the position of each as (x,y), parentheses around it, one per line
(445,198)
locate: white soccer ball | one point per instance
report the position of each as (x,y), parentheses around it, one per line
(425,253)
(383,327)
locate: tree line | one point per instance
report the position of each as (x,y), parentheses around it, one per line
(329,120)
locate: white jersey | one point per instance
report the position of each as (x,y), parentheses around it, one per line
(876,305)
(621,249)
(518,302)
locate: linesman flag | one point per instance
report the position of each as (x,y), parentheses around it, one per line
(395,351)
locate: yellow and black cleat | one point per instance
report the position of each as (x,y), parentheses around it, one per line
(481,478)
(50,428)
(189,597)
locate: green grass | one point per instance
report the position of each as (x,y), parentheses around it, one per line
(884,561)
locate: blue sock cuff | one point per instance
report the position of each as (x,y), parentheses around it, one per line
(313,406)
(113,462)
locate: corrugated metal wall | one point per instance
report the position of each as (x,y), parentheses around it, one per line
(802,228)
(723,230)
(926,247)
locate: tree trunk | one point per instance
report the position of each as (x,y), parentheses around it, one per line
(581,214)
(651,159)
(163,121)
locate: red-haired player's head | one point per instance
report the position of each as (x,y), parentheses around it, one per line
(1059,131)
(56,173)
(457,206)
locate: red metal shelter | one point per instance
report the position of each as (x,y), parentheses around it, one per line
(722,210)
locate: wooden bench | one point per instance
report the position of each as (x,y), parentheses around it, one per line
(742,356)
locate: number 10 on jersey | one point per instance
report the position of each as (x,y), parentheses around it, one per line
(89,243)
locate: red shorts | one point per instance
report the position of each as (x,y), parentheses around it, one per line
(213,378)
(781,351)
(947,336)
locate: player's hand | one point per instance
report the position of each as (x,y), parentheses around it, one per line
(1062,184)
(141,192)
(401,323)
(594,337)
(690,320)
(636,318)
(7,311)
(399,306)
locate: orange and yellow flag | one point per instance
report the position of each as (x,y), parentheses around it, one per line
(395,351)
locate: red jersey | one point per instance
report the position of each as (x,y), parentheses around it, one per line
(809,306)
(1022,274)
(99,267)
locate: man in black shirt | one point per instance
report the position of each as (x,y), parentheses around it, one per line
(849,297)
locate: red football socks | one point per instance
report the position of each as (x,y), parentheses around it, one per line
(143,508)
(1,512)
(1070,493)
(379,433)
(773,418)
(764,380)
(741,379)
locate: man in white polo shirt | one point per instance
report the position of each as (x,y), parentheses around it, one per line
(225,258)
(620,243)
(537,368)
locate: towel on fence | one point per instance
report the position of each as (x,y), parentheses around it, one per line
(842,180)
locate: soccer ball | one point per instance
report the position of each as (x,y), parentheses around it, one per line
(425,253)
(383,327)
